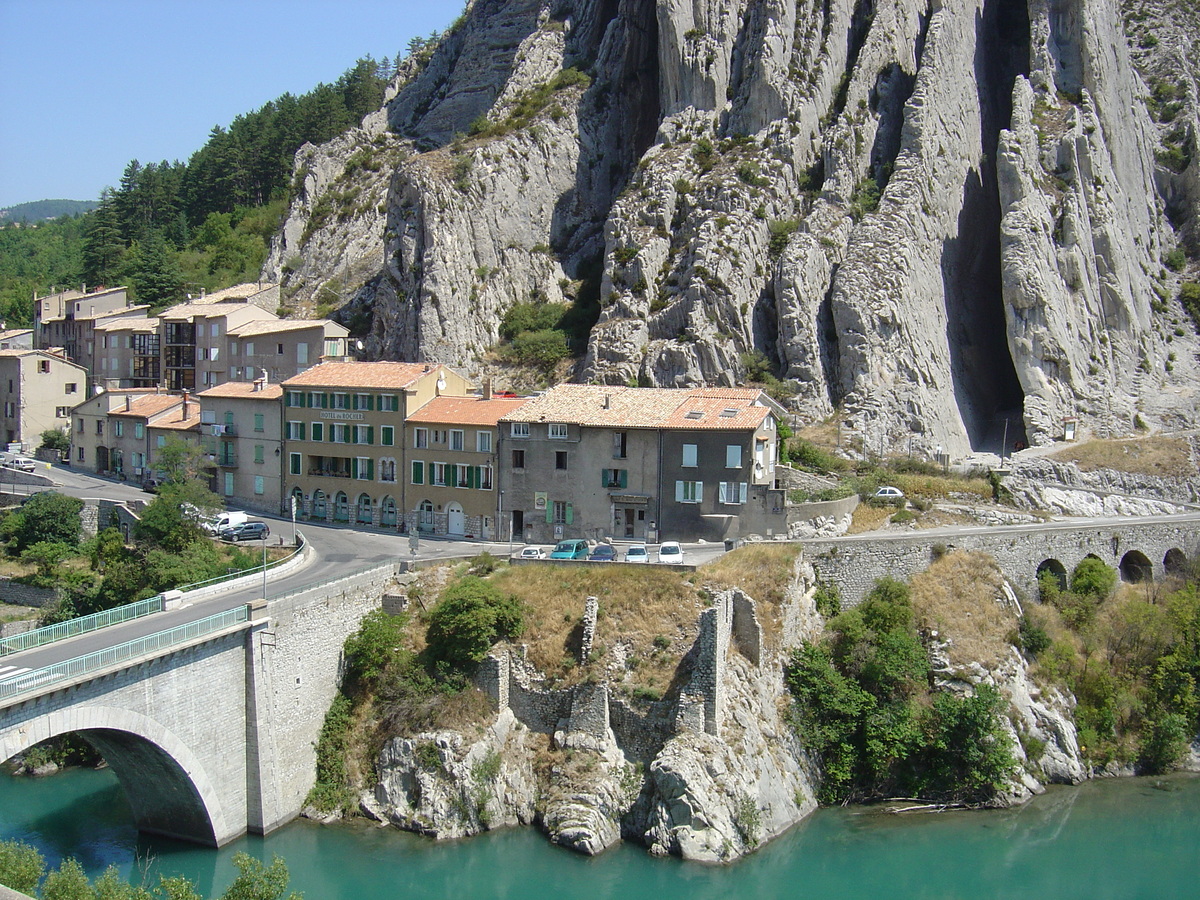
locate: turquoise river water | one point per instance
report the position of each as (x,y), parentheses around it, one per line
(1125,838)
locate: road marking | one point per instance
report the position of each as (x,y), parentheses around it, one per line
(7,672)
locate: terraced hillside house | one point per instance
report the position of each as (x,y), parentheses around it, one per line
(343,433)
(69,319)
(195,341)
(182,423)
(277,349)
(451,448)
(129,352)
(37,390)
(109,432)
(642,464)
(241,427)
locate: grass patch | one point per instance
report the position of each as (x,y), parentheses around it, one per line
(868,518)
(956,596)
(1159,456)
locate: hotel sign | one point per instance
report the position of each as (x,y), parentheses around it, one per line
(341,415)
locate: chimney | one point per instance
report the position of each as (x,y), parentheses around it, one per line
(608,401)
(128,402)
(487,388)
(259,384)
(185,405)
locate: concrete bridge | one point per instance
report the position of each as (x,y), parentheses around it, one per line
(1140,549)
(211,736)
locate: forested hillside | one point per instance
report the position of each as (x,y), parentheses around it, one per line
(170,228)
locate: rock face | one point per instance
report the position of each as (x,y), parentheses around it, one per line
(945,219)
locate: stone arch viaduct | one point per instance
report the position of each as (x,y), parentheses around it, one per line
(215,736)
(1140,549)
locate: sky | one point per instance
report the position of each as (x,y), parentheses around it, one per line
(88,85)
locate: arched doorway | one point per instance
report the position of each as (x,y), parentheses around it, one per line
(101,459)
(387,511)
(1052,568)
(456,519)
(362,513)
(1136,568)
(318,505)
(425,515)
(1175,562)
(341,507)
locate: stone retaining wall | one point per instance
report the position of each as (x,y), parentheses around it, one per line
(26,594)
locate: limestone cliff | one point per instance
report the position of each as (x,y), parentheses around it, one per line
(947,220)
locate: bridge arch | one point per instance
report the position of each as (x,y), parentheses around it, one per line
(1055,568)
(1136,568)
(1175,561)
(164,782)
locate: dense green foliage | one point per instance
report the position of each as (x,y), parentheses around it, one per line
(1131,659)
(22,868)
(43,210)
(864,703)
(46,517)
(36,259)
(471,616)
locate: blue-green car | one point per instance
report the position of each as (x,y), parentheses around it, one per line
(570,549)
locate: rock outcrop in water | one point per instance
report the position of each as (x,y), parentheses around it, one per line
(946,220)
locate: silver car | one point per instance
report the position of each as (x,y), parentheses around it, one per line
(670,553)
(637,554)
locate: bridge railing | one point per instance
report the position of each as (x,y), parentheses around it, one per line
(84,624)
(60,631)
(110,656)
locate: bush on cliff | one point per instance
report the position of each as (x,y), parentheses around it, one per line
(471,616)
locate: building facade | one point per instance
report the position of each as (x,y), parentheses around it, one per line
(37,391)
(241,429)
(110,432)
(451,444)
(343,432)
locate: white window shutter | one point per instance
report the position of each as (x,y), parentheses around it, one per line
(679,492)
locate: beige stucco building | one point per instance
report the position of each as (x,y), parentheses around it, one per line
(344,436)
(37,391)
(241,427)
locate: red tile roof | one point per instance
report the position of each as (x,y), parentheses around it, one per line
(388,375)
(615,406)
(464,411)
(150,405)
(243,389)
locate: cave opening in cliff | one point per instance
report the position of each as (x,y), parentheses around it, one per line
(988,393)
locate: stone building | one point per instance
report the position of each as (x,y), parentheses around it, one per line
(110,432)
(129,352)
(451,444)
(37,390)
(67,319)
(343,428)
(241,427)
(195,341)
(605,461)
(277,349)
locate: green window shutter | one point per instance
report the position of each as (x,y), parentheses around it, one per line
(370,402)
(549,512)
(370,434)
(387,436)
(370,470)
(570,514)
(472,476)
(624,478)
(604,479)
(354,467)
(324,401)
(318,432)
(418,472)
(303,399)
(295,460)
(354,401)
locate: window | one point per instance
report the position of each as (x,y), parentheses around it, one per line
(10,409)
(118,428)
(483,442)
(258,453)
(456,440)
(560,459)
(160,441)
(228,484)
(233,349)
(258,484)
(71,388)
(295,398)
(213,354)
(689,491)
(485,478)
(229,418)
(387,403)
(44,366)
(615,478)
(339,434)
(733,456)
(294,463)
(733,492)
(364,434)
(139,430)
(418,472)
(689,456)
(556,431)
(79,455)
(259,422)
(62,412)
(249,348)
(520,429)
(387,469)
(559,512)
(619,447)
(99,425)
(316,400)
(302,354)
(341,401)
(518,459)
(318,432)
(364,468)
(387,435)
(364,401)
(216,329)
(80,427)
(421,438)
(461,478)
(437,474)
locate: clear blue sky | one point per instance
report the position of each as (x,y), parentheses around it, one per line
(88,85)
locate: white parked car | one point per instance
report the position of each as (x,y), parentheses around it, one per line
(670,553)
(532,553)
(889,493)
(21,463)
(637,554)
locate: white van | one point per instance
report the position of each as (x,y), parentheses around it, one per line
(225,520)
